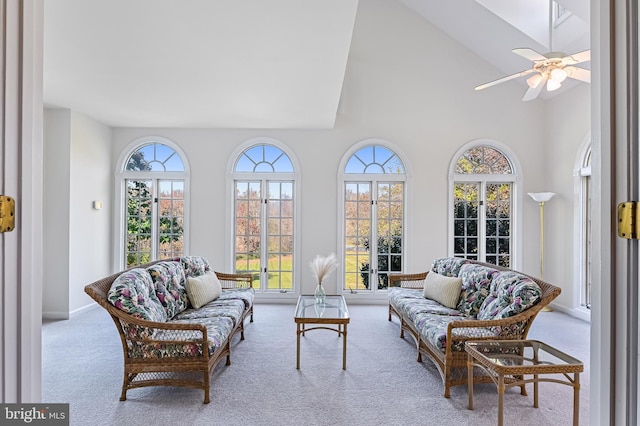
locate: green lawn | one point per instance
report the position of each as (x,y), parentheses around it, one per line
(284,280)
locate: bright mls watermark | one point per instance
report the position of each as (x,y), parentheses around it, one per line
(36,414)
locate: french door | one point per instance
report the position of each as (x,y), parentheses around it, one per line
(264,232)
(482,221)
(154,220)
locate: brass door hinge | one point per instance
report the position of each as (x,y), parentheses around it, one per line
(7,214)
(629,220)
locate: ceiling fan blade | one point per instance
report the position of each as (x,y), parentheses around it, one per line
(503,79)
(530,54)
(577,58)
(579,74)
(533,92)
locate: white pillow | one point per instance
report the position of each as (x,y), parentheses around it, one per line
(444,290)
(203,289)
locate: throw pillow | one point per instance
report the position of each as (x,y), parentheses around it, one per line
(203,289)
(444,290)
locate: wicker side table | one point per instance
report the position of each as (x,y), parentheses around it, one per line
(508,362)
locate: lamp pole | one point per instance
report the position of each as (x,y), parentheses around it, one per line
(541,203)
(541,198)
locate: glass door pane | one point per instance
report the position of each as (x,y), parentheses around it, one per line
(357,244)
(390,213)
(170,219)
(498,224)
(138,242)
(466,220)
(248,229)
(280,235)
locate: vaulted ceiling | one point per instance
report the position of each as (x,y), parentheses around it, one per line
(246,63)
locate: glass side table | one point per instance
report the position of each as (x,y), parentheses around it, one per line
(508,362)
(332,312)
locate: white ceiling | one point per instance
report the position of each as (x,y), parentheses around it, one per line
(198,63)
(240,63)
(492,38)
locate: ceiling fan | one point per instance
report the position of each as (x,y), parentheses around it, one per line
(551,68)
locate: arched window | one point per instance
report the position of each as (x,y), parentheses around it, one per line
(482,192)
(264,187)
(583,191)
(373,208)
(153,178)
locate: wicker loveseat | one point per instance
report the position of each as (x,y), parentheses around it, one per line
(493,303)
(166,340)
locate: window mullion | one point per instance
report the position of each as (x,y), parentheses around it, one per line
(373,237)
(482,222)
(155,218)
(264,256)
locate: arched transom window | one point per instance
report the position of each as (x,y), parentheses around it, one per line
(482,211)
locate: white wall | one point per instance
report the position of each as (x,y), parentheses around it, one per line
(77,239)
(408,83)
(90,230)
(568,125)
(57,204)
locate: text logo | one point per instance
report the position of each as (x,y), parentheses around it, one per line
(34,414)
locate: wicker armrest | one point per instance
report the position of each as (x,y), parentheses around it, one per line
(166,343)
(229,281)
(514,327)
(407,280)
(183,332)
(129,319)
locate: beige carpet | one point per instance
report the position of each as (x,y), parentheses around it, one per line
(383,383)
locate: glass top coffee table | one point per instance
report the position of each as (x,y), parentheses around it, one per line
(509,362)
(332,312)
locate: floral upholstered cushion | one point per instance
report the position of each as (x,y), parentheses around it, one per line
(133,292)
(399,296)
(246,295)
(411,302)
(203,289)
(194,266)
(433,329)
(476,284)
(232,308)
(442,289)
(448,266)
(218,330)
(169,280)
(510,294)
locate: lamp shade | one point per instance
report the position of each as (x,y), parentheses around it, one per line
(559,75)
(552,85)
(541,197)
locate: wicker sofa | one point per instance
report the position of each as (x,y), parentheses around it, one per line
(165,339)
(492,303)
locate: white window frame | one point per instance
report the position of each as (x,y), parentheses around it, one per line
(232,177)
(122,175)
(580,171)
(374,179)
(515,178)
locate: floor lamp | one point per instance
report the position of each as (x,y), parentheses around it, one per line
(541,198)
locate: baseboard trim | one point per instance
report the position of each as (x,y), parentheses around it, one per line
(55,316)
(60,316)
(581,314)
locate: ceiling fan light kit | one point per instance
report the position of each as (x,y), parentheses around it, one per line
(551,68)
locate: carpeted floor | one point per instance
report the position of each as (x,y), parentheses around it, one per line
(383,383)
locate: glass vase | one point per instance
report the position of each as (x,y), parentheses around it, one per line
(320,293)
